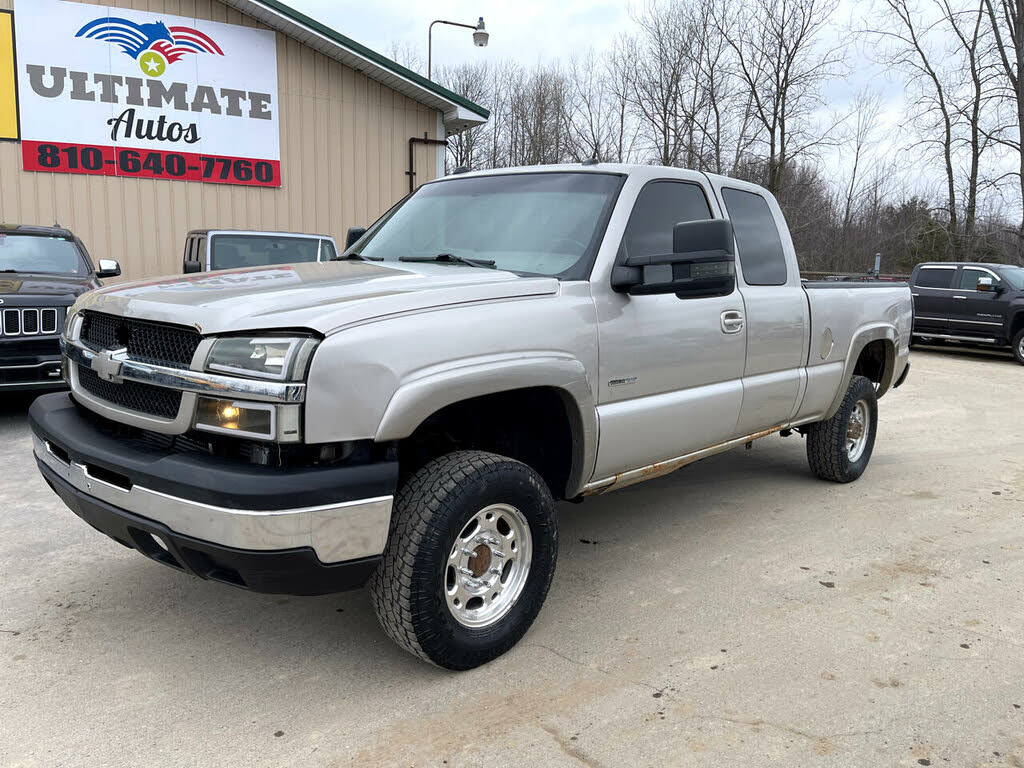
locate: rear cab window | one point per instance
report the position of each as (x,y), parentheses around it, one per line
(232,251)
(762,257)
(935,277)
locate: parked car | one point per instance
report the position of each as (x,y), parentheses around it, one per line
(409,414)
(42,271)
(976,303)
(213,249)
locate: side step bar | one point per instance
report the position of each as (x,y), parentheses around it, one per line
(950,337)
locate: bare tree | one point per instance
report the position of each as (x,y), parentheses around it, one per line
(590,121)
(660,57)
(472,81)
(408,55)
(866,110)
(1007,20)
(953,86)
(780,59)
(618,80)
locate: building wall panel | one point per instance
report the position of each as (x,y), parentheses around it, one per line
(344,154)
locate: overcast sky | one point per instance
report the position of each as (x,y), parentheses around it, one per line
(525,30)
(528,31)
(532,31)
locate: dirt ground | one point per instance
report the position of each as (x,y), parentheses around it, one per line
(739,612)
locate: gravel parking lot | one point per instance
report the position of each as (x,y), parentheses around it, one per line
(738,612)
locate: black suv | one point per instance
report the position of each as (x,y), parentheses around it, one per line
(42,271)
(970,302)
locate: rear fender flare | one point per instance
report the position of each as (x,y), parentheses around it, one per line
(861,339)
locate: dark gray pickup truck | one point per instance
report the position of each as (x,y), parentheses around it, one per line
(970,302)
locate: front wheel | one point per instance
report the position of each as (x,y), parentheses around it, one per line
(470,556)
(839,449)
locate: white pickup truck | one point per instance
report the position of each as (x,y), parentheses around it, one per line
(409,414)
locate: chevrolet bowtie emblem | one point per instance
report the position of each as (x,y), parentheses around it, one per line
(107,364)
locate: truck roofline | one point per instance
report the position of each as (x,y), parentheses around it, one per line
(258,233)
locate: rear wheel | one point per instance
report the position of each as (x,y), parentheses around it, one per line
(1018,346)
(839,449)
(469,559)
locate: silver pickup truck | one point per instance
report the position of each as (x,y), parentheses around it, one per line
(409,414)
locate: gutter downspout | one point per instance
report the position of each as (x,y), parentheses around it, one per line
(413,140)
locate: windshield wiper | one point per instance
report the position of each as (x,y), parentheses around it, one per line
(346,256)
(451,258)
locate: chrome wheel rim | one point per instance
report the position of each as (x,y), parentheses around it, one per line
(488,566)
(857,429)
(1020,349)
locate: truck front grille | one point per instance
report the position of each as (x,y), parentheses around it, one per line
(131,395)
(29,321)
(147,342)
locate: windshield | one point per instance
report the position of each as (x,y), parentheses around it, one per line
(1014,276)
(230,251)
(34,253)
(536,223)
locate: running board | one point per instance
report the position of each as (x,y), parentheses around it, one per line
(950,337)
(651,471)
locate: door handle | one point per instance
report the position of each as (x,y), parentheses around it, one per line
(959,297)
(732,321)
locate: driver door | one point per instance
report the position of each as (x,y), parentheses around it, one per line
(974,312)
(670,368)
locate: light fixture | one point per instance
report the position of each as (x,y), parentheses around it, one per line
(480,37)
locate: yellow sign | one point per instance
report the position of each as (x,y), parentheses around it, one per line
(8,83)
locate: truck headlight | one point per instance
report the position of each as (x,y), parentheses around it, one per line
(284,358)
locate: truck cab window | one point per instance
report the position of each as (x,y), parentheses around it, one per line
(659,207)
(762,257)
(969,278)
(935,277)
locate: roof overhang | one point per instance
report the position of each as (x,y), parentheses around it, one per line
(458,113)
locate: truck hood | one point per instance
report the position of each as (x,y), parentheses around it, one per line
(325,297)
(28,284)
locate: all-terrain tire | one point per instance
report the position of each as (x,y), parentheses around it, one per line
(828,442)
(431,512)
(1018,346)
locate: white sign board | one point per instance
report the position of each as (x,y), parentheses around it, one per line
(111,91)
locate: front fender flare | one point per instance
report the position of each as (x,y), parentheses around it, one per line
(420,396)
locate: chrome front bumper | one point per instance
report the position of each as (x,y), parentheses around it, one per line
(336,532)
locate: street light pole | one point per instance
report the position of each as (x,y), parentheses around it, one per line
(480,37)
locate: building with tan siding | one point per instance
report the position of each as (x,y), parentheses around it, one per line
(185,128)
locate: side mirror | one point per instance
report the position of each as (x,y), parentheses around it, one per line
(987,285)
(191,267)
(108,268)
(703,263)
(354,233)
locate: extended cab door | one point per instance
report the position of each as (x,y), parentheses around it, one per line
(775,308)
(669,368)
(932,286)
(974,312)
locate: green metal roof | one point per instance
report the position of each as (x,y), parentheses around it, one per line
(287,20)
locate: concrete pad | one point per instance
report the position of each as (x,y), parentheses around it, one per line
(737,612)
